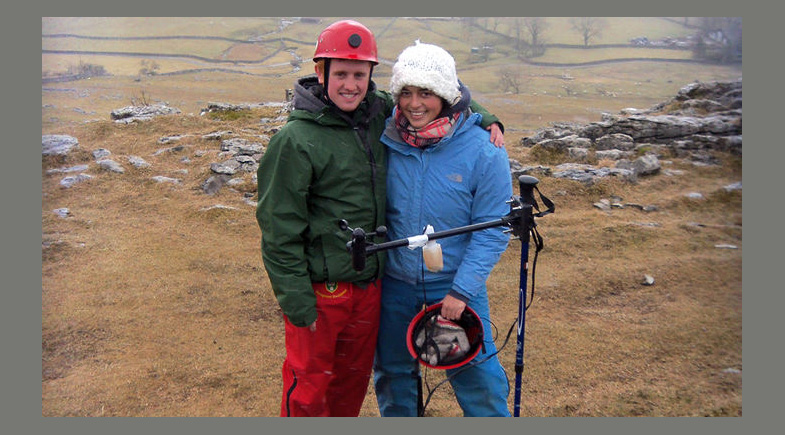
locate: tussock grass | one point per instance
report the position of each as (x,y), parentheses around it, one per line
(547,156)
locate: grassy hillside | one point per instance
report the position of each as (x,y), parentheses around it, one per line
(393,34)
(233,70)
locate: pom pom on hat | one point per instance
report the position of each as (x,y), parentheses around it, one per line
(426,66)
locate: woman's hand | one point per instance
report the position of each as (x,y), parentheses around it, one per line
(452,308)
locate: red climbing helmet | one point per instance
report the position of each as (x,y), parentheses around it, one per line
(346,39)
(440,343)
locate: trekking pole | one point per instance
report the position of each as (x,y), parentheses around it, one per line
(527,184)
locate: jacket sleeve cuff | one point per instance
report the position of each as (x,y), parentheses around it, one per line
(458,296)
(303,321)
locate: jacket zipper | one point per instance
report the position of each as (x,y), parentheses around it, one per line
(362,136)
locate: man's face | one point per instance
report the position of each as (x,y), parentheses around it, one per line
(348,82)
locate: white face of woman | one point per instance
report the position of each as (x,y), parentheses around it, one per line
(420,106)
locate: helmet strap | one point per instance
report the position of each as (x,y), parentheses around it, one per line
(326,77)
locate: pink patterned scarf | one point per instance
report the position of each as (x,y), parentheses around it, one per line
(427,135)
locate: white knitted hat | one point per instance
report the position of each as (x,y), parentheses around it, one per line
(426,66)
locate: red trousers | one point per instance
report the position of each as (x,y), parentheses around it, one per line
(326,372)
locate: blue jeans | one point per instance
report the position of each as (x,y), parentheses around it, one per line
(481,390)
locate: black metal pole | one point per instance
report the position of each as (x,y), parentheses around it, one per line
(420,405)
(526,184)
(370,249)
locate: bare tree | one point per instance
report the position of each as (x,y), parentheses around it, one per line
(589,28)
(85,69)
(467,26)
(149,68)
(142,100)
(536,26)
(718,39)
(510,80)
(495,23)
(517,28)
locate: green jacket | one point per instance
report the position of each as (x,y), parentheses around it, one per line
(322,166)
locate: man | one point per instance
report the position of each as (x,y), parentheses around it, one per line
(327,164)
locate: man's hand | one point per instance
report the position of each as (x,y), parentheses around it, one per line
(497,137)
(452,308)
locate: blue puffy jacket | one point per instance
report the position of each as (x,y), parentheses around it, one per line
(462,180)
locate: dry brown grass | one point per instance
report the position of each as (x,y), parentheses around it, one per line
(154,306)
(163,306)
(600,343)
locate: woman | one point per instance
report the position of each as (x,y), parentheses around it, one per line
(442,171)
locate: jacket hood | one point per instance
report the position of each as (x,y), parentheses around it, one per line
(463,103)
(308,94)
